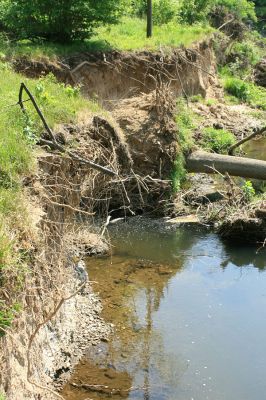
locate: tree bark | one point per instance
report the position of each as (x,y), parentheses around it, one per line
(201,161)
(149,18)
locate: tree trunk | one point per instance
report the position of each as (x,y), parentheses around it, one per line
(201,161)
(149,18)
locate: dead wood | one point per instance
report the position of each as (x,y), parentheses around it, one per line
(52,142)
(246,139)
(201,161)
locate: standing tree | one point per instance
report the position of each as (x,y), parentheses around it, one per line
(149,18)
(60,21)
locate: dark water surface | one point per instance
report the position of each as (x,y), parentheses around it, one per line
(190,319)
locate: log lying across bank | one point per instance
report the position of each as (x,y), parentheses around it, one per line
(201,161)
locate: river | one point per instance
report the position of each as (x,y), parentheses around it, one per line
(190,318)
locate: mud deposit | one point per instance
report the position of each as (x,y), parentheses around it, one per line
(190,318)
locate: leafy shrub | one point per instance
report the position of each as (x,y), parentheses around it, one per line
(58,21)
(241,9)
(217,140)
(164,11)
(241,57)
(248,190)
(191,11)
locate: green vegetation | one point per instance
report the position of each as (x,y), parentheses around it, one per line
(18,134)
(245,91)
(2,396)
(248,191)
(130,35)
(62,21)
(185,120)
(217,140)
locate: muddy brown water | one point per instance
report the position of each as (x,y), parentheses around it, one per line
(190,319)
(256,148)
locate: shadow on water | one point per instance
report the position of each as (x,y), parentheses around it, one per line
(184,316)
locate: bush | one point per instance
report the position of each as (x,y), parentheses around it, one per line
(242,56)
(62,21)
(217,140)
(241,9)
(164,11)
(248,191)
(191,11)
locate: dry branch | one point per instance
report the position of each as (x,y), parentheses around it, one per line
(246,139)
(52,142)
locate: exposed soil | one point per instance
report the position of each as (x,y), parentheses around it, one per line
(139,142)
(237,118)
(113,76)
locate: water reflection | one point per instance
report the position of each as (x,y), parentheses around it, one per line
(185,317)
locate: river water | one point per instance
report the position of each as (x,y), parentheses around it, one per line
(190,319)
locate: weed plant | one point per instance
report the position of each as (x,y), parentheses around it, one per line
(18,135)
(217,140)
(186,122)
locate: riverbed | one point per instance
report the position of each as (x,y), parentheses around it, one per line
(189,316)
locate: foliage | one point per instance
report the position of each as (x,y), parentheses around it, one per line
(217,140)
(185,120)
(245,91)
(178,175)
(248,191)
(164,11)
(241,57)
(18,133)
(241,9)
(62,21)
(191,11)
(238,88)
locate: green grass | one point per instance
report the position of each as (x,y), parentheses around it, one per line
(18,135)
(129,34)
(217,140)
(244,91)
(186,122)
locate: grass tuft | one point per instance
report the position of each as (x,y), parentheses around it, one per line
(185,120)
(245,91)
(217,140)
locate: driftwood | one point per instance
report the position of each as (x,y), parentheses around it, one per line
(246,139)
(201,161)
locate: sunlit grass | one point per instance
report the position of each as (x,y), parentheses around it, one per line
(18,136)
(129,34)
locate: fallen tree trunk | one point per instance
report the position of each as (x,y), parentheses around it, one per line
(201,161)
